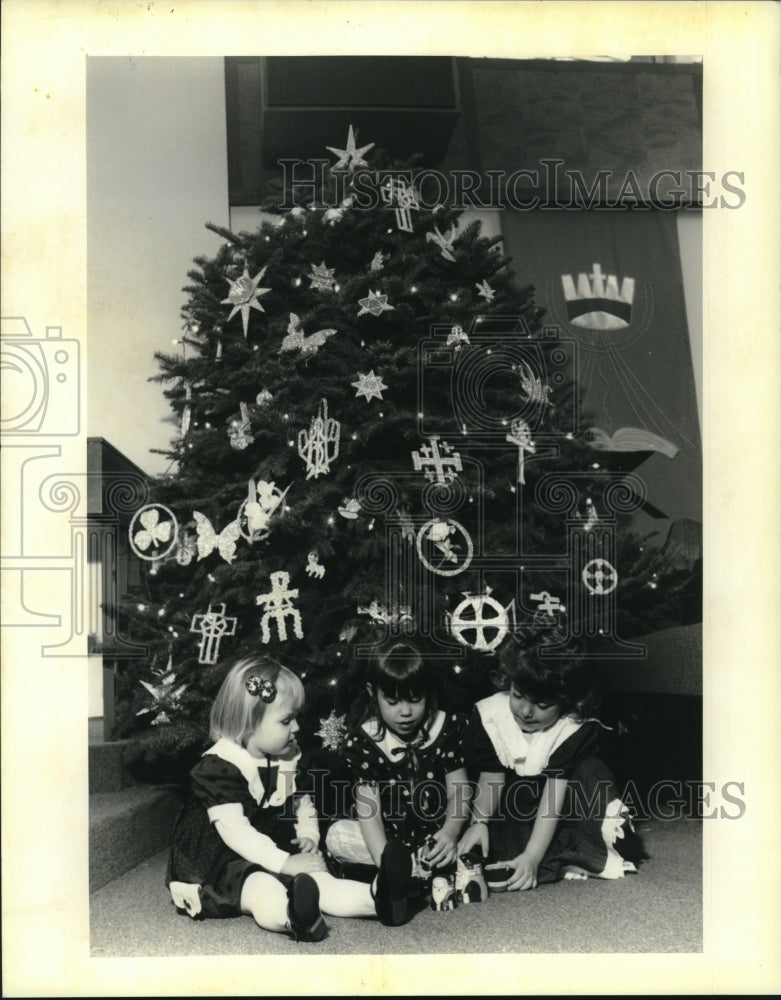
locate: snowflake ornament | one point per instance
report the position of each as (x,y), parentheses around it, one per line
(350,157)
(484,289)
(370,386)
(375,304)
(244,294)
(322,277)
(332,731)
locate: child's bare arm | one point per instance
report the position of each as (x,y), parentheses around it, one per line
(484,805)
(445,839)
(545,823)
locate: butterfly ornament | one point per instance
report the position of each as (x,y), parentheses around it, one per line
(295,339)
(208,540)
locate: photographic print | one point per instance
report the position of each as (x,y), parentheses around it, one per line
(372,449)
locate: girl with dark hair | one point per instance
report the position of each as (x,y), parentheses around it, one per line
(545,806)
(407,764)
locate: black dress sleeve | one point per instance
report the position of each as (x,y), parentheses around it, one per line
(582,743)
(479,753)
(216,782)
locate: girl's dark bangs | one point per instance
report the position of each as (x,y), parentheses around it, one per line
(403,678)
(405,687)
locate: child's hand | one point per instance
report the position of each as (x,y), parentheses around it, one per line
(477,834)
(305,844)
(298,863)
(443,851)
(525,875)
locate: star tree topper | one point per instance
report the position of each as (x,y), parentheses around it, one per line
(244,294)
(350,157)
(371,386)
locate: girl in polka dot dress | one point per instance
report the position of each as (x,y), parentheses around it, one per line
(246,842)
(407,765)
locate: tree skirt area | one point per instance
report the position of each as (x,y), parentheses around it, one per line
(657,910)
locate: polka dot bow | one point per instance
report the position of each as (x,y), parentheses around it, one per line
(261,686)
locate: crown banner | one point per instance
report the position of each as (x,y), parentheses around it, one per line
(611,281)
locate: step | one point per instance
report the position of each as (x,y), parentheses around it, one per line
(107,768)
(127,826)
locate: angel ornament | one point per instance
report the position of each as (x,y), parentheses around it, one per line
(255,512)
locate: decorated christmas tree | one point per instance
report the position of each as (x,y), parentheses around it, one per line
(377,436)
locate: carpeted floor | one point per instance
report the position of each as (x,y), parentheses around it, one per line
(657,910)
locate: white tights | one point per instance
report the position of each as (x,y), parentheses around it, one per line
(264,898)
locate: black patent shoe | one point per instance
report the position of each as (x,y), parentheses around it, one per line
(391,894)
(303,909)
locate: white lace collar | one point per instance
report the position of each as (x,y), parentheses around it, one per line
(524,753)
(234,754)
(391,742)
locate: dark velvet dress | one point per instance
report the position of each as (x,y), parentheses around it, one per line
(595,824)
(265,791)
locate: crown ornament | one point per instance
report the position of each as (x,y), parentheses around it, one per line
(596,301)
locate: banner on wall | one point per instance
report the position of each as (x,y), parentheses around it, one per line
(612,282)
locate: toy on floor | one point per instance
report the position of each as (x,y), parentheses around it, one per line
(470,882)
(497,876)
(443,893)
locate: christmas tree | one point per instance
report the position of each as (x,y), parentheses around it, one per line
(374,432)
